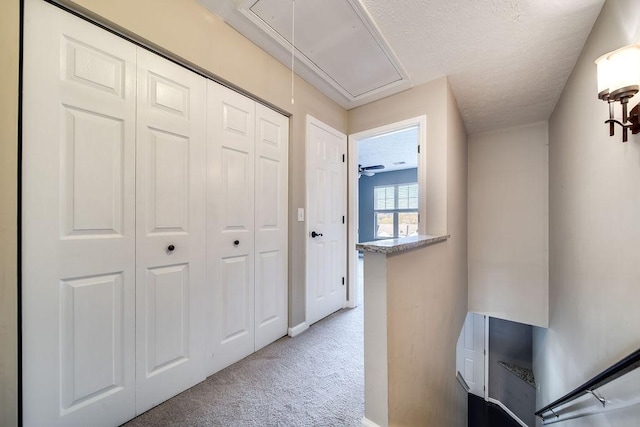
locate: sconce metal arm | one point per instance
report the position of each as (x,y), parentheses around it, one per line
(617,122)
(631,122)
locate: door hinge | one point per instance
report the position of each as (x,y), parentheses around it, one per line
(343,158)
(418,148)
(418,217)
(484,352)
(343,219)
(343,281)
(484,388)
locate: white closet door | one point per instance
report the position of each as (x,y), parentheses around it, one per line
(78,222)
(271,187)
(170,247)
(230,229)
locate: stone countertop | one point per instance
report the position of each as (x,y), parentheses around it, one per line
(524,374)
(393,246)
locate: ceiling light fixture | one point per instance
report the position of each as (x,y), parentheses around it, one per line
(618,81)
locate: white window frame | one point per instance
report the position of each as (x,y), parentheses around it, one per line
(395,211)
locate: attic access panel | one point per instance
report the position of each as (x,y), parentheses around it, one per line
(335,38)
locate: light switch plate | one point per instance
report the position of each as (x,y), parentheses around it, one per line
(300,214)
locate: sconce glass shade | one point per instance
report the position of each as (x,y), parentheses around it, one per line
(604,79)
(623,71)
(618,81)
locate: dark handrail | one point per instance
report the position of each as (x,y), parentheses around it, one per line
(621,368)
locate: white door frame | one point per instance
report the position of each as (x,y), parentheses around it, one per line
(352,177)
(312,120)
(486,357)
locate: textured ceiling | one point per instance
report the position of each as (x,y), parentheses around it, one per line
(507,60)
(390,149)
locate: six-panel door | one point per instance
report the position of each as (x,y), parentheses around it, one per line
(326,249)
(230,230)
(271,186)
(170,227)
(78,196)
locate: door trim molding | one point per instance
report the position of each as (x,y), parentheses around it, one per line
(352,191)
(486,357)
(352,222)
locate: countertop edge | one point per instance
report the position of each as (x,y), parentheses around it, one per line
(394,246)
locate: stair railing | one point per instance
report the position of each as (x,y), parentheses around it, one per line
(615,371)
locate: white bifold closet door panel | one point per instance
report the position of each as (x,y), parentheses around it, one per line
(170,248)
(230,225)
(78,234)
(247,225)
(271,187)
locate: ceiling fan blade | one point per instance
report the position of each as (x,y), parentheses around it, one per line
(374,167)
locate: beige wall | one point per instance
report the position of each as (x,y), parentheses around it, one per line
(186,30)
(427,288)
(428,99)
(9,53)
(594,230)
(508,224)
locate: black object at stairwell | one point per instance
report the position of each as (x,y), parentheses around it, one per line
(622,367)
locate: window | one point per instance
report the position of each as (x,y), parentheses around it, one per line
(395,210)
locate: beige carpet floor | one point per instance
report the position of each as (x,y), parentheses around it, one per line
(315,379)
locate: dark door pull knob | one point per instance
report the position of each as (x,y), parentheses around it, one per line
(236,242)
(170,248)
(314,234)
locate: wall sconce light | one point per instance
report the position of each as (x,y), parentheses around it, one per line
(619,80)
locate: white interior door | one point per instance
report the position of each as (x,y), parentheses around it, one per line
(170,249)
(230,229)
(78,196)
(326,239)
(470,353)
(271,187)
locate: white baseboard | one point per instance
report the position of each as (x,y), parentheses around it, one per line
(368,423)
(298,329)
(507,410)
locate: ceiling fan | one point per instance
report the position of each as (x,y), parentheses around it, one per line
(368,170)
